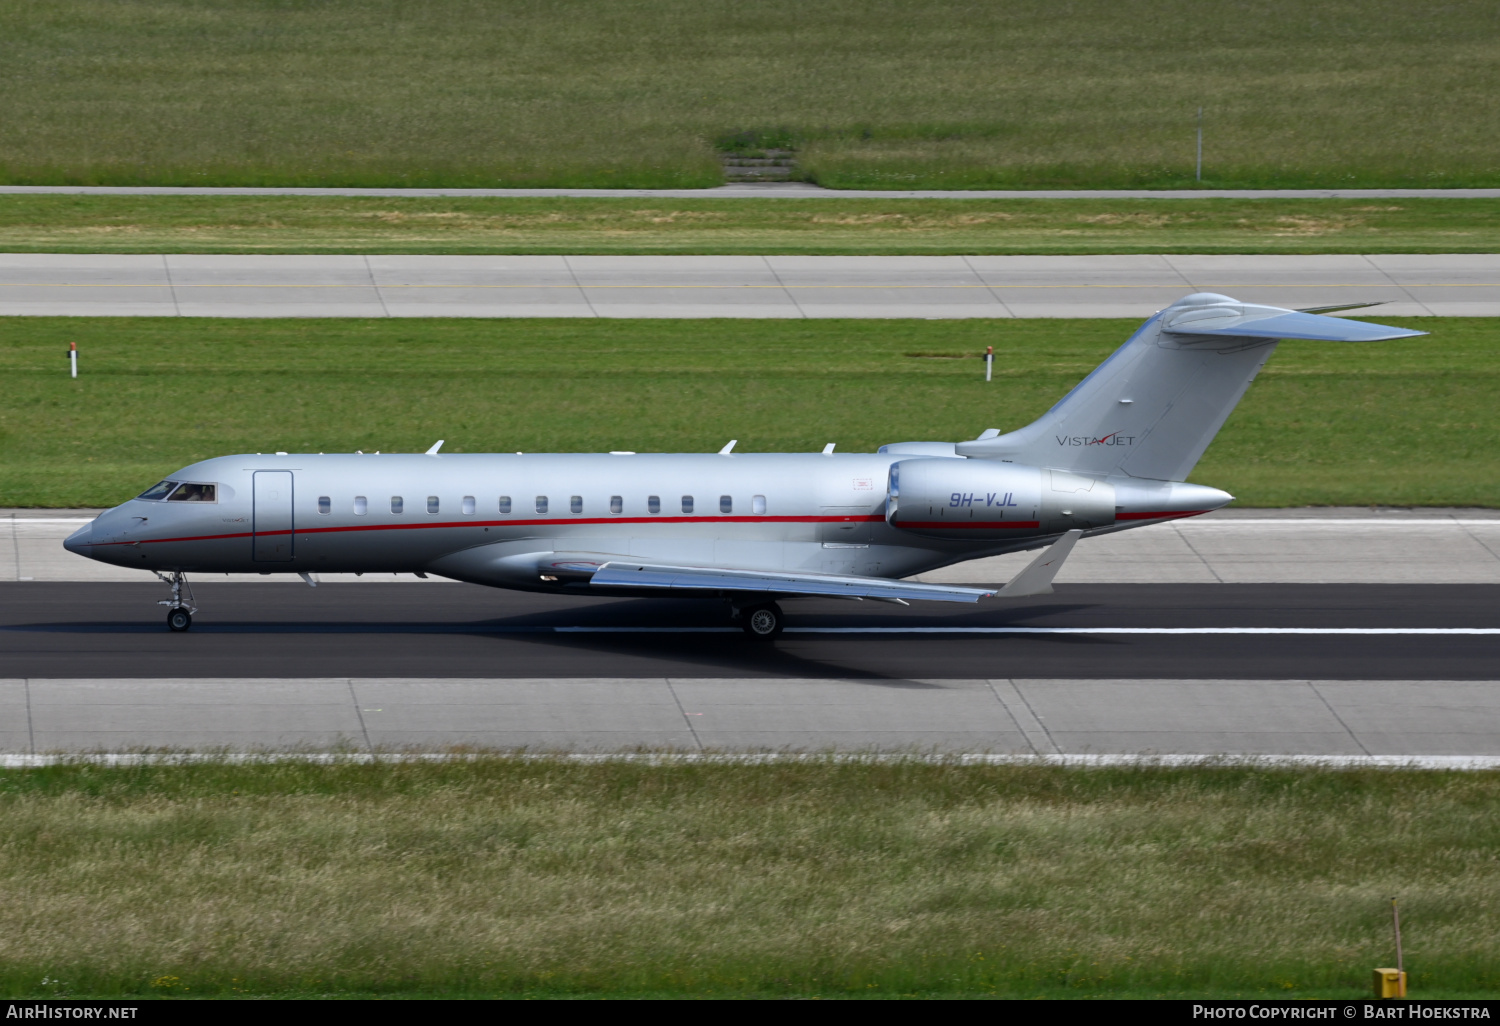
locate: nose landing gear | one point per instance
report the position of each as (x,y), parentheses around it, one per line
(179,613)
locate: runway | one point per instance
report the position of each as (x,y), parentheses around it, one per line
(1134,286)
(384,668)
(1339,632)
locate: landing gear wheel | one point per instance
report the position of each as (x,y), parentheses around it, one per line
(764,622)
(179,613)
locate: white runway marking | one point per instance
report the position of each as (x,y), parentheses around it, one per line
(1037,630)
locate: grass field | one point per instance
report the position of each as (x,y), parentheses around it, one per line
(304,224)
(872,93)
(501,876)
(1325,423)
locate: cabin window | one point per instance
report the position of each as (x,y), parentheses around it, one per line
(726,504)
(468,505)
(432,503)
(395,504)
(541,504)
(361,505)
(687,504)
(575,504)
(193,493)
(757,504)
(160,490)
(505,504)
(653,504)
(325,505)
(616,504)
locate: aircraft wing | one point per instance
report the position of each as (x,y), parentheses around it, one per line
(777,582)
(1036,579)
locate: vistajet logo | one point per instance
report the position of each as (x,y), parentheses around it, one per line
(1111,439)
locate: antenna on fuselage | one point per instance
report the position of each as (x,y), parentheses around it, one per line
(729,448)
(435,447)
(828,449)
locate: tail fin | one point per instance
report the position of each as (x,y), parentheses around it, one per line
(1150,410)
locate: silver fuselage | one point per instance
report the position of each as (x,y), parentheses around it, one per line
(817,513)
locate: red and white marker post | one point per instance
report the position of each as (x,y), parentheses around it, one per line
(73,357)
(989,361)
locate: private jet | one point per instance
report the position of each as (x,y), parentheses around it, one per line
(747,529)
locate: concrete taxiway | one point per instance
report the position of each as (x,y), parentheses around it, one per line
(214,285)
(1307,546)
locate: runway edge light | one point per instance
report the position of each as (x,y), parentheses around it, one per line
(1390,983)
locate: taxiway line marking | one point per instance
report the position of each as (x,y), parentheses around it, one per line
(777,288)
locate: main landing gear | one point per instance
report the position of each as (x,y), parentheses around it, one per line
(763,621)
(179,613)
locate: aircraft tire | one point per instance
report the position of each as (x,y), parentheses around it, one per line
(764,622)
(179,619)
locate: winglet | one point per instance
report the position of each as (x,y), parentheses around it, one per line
(1207,313)
(435,447)
(1036,579)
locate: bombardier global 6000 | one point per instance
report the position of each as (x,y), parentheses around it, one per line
(747,529)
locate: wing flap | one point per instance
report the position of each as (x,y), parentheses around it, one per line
(693,578)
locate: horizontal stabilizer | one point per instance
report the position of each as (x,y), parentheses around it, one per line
(1247,320)
(1036,579)
(693,578)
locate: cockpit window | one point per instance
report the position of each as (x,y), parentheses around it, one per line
(193,493)
(158,491)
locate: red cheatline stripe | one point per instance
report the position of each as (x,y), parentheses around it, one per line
(563,519)
(997,524)
(986,525)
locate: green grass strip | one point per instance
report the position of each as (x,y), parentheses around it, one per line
(1406,422)
(500,876)
(637,93)
(823,225)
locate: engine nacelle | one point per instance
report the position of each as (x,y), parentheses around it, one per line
(985,499)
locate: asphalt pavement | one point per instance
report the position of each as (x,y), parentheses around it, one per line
(1178,669)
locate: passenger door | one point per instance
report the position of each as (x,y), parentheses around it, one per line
(272,517)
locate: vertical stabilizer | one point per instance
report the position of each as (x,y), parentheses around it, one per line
(1152,408)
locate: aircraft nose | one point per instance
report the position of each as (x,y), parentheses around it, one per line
(81,541)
